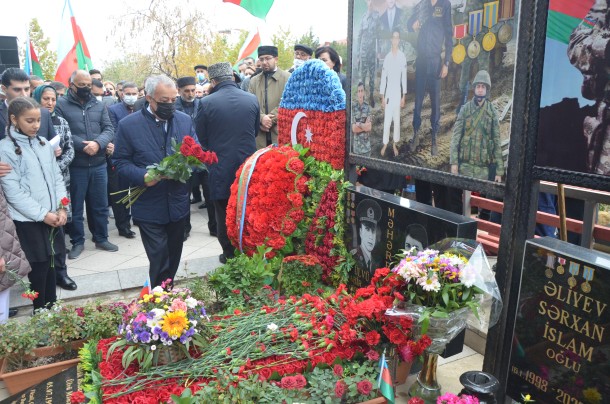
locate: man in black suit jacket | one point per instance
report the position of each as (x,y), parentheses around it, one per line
(16,83)
(391,18)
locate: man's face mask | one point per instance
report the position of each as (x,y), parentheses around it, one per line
(130,99)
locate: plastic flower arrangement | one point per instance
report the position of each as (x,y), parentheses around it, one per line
(177,166)
(163,318)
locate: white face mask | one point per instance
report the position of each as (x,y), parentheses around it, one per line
(298,63)
(130,99)
(99,98)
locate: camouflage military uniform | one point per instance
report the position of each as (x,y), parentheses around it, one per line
(361,141)
(474,149)
(369,28)
(482,59)
(587,52)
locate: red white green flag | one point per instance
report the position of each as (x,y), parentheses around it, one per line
(565,15)
(384,383)
(73,53)
(258,8)
(32,64)
(250,46)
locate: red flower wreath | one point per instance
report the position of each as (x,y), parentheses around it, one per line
(319,241)
(274,201)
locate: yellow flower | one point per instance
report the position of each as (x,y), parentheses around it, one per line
(157,300)
(146,298)
(174,323)
(591,395)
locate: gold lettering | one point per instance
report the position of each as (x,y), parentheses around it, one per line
(388,246)
(388,255)
(390,224)
(390,234)
(390,212)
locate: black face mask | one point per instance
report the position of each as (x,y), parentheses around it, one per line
(165,110)
(83,92)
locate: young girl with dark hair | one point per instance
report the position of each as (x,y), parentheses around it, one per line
(36,195)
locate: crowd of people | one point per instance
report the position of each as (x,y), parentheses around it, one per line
(66,150)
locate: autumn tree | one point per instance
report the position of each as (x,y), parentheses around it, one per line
(47,57)
(284,41)
(176,32)
(310,39)
(131,67)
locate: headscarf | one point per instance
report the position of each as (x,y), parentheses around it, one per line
(37,94)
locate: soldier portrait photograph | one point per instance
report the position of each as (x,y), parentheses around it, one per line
(368,214)
(422,57)
(574,120)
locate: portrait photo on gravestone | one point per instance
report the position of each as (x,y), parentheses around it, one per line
(380,225)
(561,345)
(432,84)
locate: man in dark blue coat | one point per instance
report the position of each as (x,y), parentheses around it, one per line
(233,140)
(16,83)
(142,139)
(118,111)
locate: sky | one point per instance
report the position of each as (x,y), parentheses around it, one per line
(327,18)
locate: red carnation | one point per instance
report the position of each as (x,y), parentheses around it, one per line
(364,387)
(338,370)
(372,338)
(416,400)
(288,383)
(340,388)
(372,355)
(65,201)
(77,397)
(300,381)
(296,165)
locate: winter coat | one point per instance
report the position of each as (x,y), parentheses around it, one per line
(140,142)
(89,121)
(180,106)
(46,126)
(35,186)
(117,112)
(275,87)
(10,249)
(233,140)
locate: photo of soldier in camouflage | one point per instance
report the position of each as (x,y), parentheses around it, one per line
(438,79)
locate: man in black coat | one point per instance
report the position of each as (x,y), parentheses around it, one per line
(232,139)
(16,83)
(144,138)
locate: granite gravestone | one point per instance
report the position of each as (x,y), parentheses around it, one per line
(56,389)
(561,348)
(380,225)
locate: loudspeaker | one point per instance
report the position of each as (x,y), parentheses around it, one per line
(9,52)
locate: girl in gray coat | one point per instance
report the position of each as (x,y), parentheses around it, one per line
(35,193)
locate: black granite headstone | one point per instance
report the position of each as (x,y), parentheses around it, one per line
(386,224)
(561,349)
(56,389)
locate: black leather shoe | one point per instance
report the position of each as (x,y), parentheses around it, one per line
(222,259)
(65,282)
(12,312)
(203,205)
(187,234)
(213,233)
(195,200)
(127,234)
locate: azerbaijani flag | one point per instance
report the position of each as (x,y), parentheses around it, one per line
(384,383)
(564,16)
(258,8)
(561,79)
(73,53)
(250,46)
(146,289)
(32,64)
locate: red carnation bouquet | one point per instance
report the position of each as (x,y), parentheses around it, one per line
(179,166)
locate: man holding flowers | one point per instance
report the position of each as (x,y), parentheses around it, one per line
(145,138)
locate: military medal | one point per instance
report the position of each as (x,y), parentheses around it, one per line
(489,41)
(490,18)
(560,269)
(459,51)
(507,12)
(505,33)
(475,25)
(574,270)
(550,264)
(587,273)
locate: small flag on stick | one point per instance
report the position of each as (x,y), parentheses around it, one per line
(384,383)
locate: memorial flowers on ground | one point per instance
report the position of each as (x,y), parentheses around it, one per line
(178,166)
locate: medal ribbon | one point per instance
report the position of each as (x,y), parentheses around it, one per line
(550,261)
(587,273)
(574,268)
(242,191)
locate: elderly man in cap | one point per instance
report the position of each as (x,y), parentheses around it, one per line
(233,140)
(368,213)
(268,88)
(202,74)
(302,53)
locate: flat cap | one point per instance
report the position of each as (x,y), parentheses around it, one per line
(368,210)
(204,67)
(303,48)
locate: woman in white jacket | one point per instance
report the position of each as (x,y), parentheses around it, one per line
(36,195)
